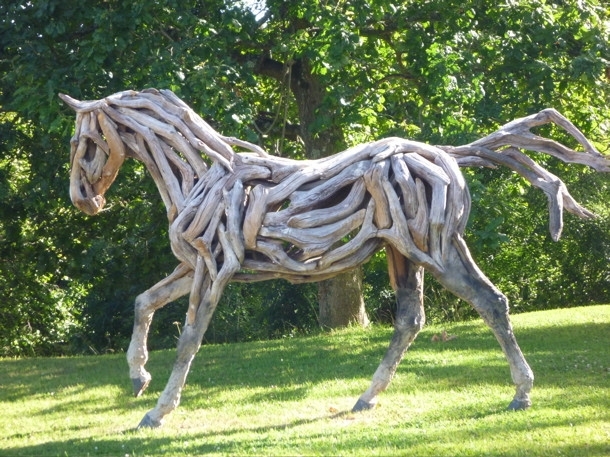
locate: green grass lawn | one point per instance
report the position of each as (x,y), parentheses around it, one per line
(293,396)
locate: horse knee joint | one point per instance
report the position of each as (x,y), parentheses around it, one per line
(189,341)
(142,301)
(494,309)
(410,315)
(410,322)
(502,304)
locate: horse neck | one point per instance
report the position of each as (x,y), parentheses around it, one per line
(171,140)
(173,173)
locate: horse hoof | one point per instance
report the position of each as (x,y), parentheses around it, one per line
(362,405)
(148,422)
(139,386)
(519,405)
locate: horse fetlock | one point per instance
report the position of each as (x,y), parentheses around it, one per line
(522,397)
(149,422)
(140,378)
(519,404)
(140,384)
(363,405)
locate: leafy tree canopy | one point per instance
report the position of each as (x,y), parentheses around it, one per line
(437,71)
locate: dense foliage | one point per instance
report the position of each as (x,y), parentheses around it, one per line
(438,71)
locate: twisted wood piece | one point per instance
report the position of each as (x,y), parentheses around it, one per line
(248,216)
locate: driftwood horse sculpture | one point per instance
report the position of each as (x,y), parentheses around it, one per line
(249,216)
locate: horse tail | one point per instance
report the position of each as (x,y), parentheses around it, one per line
(504,148)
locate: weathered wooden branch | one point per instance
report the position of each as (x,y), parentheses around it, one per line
(503,147)
(245,215)
(315,211)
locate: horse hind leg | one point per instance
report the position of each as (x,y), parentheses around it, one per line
(407,280)
(462,277)
(169,289)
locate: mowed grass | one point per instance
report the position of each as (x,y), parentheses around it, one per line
(293,397)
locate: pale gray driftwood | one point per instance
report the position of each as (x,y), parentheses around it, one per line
(245,215)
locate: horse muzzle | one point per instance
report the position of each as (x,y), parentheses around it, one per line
(89,203)
(90,206)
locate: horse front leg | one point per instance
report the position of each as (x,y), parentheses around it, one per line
(169,289)
(205,294)
(198,318)
(407,280)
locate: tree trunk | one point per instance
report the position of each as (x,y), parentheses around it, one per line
(340,298)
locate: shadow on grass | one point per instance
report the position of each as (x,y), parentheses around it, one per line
(354,354)
(307,361)
(23,378)
(417,440)
(570,355)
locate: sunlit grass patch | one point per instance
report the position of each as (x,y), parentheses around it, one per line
(294,396)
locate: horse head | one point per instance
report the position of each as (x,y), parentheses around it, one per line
(96,154)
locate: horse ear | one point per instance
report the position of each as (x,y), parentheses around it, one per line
(81,106)
(71,102)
